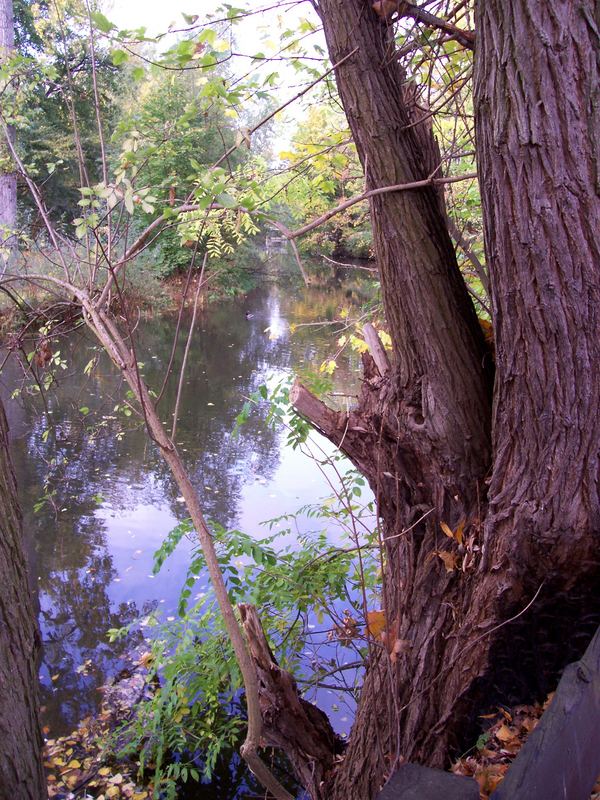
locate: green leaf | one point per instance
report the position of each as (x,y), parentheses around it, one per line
(119,57)
(227,200)
(102,23)
(208,35)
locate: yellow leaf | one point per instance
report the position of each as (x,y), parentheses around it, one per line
(457,535)
(358,344)
(385,339)
(328,366)
(375,623)
(113,791)
(104,771)
(447,530)
(74,764)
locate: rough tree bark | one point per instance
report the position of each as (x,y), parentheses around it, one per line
(8,176)
(420,432)
(21,772)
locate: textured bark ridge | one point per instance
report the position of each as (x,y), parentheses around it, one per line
(538,140)
(21,774)
(421,430)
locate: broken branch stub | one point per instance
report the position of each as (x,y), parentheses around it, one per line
(291,723)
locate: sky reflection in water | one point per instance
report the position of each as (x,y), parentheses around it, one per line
(113,501)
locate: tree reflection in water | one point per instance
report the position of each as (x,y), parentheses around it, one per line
(111,500)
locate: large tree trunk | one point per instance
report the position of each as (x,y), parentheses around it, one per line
(538,127)
(8,177)
(21,772)
(420,430)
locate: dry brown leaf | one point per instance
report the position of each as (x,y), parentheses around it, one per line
(456,535)
(504,734)
(375,624)
(399,647)
(449,559)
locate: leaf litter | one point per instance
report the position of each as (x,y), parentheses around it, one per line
(81,765)
(488,761)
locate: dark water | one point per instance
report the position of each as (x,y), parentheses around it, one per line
(110,500)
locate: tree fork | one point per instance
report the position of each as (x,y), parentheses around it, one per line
(544,502)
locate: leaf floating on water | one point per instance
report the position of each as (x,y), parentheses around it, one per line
(146,660)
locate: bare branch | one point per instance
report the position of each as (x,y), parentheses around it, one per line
(400,187)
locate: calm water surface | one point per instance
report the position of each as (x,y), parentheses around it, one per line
(110,499)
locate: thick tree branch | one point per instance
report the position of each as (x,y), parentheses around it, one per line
(389,8)
(291,723)
(464,37)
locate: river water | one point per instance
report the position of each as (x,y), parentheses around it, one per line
(98,500)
